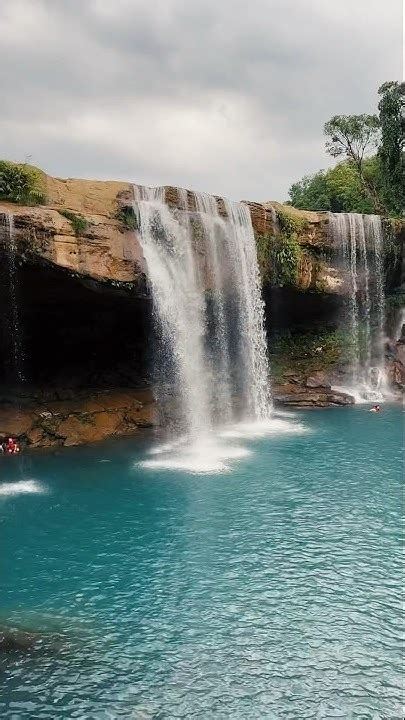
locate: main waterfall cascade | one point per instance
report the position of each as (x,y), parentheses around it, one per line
(14,326)
(360,239)
(205,282)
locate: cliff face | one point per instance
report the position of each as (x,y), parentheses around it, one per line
(84,312)
(84,230)
(88,240)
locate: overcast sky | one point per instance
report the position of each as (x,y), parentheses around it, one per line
(218,95)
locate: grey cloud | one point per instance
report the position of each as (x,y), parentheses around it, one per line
(228,97)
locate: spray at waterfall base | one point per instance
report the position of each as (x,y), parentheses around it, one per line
(209,313)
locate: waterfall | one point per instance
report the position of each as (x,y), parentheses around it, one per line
(203,272)
(13,315)
(360,240)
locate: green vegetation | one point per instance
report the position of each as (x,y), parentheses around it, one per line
(352,137)
(21,183)
(390,152)
(338,189)
(279,256)
(128,217)
(290,222)
(263,245)
(285,256)
(304,353)
(79,223)
(370,175)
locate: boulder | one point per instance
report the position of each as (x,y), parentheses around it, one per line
(318,379)
(308,399)
(79,429)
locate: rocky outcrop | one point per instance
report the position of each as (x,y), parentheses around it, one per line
(290,395)
(85,311)
(105,246)
(94,416)
(396,362)
(314,390)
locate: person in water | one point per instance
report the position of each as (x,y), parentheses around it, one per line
(11,447)
(375,408)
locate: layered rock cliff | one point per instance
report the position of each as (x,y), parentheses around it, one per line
(86,230)
(85,311)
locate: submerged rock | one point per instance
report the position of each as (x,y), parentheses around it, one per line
(17,640)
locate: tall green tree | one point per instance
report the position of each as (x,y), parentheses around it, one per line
(311,193)
(355,137)
(391,151)
(338,189)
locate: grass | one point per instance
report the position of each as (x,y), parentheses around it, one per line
(78,222)
(304,353)
(21,183)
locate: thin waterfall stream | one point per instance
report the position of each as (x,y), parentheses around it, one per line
(14,325)
(360,241)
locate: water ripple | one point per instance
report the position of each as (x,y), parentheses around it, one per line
(274,591)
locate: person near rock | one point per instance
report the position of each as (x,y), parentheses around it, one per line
(11,447)
(375,408)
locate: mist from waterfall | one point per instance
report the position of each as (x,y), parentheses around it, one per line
(360,241)
(14,326)
(204,277)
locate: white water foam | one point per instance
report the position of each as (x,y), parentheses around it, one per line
(21,487)
(205,283)
(216,454)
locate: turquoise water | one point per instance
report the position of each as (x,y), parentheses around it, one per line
(271,591)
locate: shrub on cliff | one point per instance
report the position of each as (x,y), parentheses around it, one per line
(279,258)
(78,222)
(21,183)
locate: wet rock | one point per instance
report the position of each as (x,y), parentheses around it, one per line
(318,379)
(307,399)
(89,418)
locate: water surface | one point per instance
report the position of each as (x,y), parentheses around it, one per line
(272,590)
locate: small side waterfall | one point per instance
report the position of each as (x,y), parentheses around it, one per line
(360,239)
(205,282)
(14,326)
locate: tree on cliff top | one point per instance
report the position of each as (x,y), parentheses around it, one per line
(337,189)
(362,181)
(354,137)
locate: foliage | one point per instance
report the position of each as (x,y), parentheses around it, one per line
(338,189)
(279,258)
(128,217)
(263,244)
(21,183)
(285,256)
(279,255)
(307,352)
(79,223)
(353,136)
(391,152)
(290,222)
(311,193)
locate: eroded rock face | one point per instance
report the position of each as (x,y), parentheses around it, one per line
(91,418)
(84,304)
(107,250)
